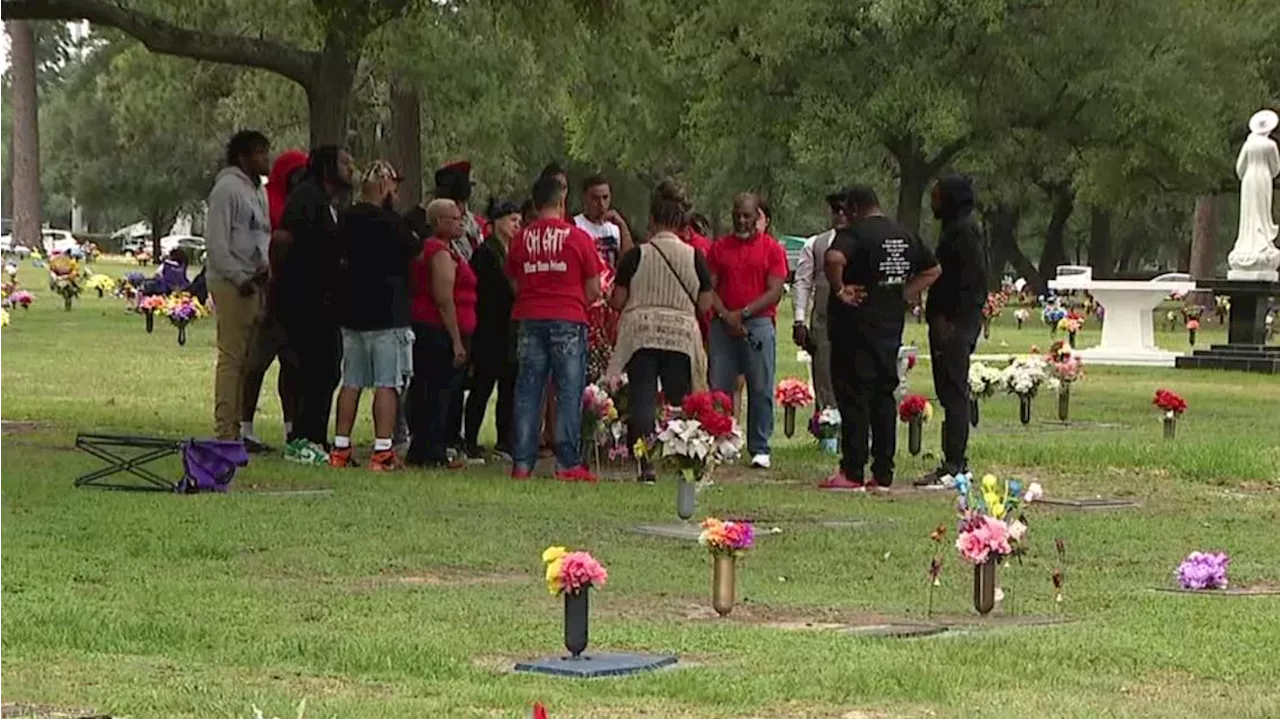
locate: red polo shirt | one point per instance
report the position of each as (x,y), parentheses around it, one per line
(551,261)
(742,269)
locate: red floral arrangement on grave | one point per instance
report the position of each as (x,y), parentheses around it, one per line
(713,410)
(1193,324)
(1169,402)
(912,406)
(792,392)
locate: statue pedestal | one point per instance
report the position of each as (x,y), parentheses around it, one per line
(1246,349)
(1128,335)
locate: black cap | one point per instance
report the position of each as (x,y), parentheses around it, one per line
(838,198)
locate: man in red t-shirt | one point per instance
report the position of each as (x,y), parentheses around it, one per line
(747,270)
(555,270)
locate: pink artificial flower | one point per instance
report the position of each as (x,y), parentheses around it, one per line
(580,569)
(972,548)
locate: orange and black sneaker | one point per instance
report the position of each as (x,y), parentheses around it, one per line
(384,461)
(341,458)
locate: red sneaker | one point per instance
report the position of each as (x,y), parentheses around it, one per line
(577,474)
(840,481)
(341,458)
(519,473)
(383,461)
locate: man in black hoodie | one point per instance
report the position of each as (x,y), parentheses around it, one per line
(954,312)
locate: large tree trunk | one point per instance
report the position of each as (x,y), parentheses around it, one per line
(911,186)
(406,134)
(1204,245)
(1003,223)
(1101,245)
(915,171)
(6,192)
(26,135)
(1055,248)
(329,97)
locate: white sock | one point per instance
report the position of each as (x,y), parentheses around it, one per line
(381,445)
(340,442)
(246,429)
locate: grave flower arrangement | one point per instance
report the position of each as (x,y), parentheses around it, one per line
(1052,314)
(1172,406)
(597,408)
(792,394)
(20,298)
(1202,570)
(991,528)
(101,283)
(984,380)
(721,537)
(824,425)
(1021,315)
(64,278)
(183,309)
(1193,326)
(1023,377)
(570,572)
(4,318)
(914,410)
(701,435)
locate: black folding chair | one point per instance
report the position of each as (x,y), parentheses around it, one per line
(123,453)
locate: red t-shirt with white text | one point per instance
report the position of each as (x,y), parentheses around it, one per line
(550,262)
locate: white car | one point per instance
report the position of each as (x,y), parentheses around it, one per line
(194,246)
(7,247)
(57,242)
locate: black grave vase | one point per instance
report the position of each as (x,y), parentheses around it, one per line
(915,429)
(1064,401)
(151,320)
(576,611)
(1024,408)
(182,335)
(984,587)
(789,421)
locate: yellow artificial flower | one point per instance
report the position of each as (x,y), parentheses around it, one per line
(641,448)
(928,411)
(4,318)
(551,554)
(553,576)
(989,482)
(994,505)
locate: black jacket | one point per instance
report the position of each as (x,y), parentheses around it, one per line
(494,297)
(961,291)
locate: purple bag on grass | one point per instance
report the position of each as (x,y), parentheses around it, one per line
(209,464)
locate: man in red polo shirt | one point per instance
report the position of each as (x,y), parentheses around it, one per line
(747,271)
(555,270)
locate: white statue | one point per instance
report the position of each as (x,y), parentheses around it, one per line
(1255,256)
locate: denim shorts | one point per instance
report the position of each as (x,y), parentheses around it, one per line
(377,358)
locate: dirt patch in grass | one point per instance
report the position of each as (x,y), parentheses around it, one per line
(11,427)
(445,578)
(22,710)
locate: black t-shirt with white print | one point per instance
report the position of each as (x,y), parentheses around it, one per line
(881,256)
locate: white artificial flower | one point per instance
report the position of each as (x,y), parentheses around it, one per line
(1033,493)
(1017,530)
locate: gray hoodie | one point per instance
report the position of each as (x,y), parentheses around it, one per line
(238,228)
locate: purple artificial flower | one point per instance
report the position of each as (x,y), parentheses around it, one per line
(1202,570)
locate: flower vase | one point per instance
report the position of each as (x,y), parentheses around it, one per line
(915,429)
(1191,337)
(723,583)
(1019,324)
(984,587)
(182,334)
(1024,408)
(99,292)
(829,445)
(789,421)
(973,411)
(1071,339)
(986,328)
(66,302)
(151,320)
(1170,427)
(576,611)
(686,498)
(1064,401)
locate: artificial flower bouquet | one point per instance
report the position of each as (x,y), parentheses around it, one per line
(152,303)
(992,526)
(726,538)
(1070,324)
(697,437)
(1202,570)
(1064,366)
(183,309)
(1024,376)
(19,298)
(915,407)
(64,278)
(792,392)
(597,408)
(571,572)
(994,304)
(825,424)
(1170,403)
(984,380)
(1021,315)
(101,283)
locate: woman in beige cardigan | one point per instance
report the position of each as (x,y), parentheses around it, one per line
(662,287)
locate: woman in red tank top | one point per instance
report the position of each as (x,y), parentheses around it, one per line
(444,316)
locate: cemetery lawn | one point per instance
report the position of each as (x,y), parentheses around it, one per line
(412,595)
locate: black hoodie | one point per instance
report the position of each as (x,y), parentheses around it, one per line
(961,291)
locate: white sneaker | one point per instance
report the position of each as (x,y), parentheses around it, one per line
(760,461)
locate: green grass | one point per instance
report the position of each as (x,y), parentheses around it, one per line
(411,595)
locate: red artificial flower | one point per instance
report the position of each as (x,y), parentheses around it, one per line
(711,409)
(1169,401)
(912,406)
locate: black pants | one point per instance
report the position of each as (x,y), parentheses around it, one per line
(318,349)
(435,380)
(271,342)
(457,404)
(493,365)
(644,369)
(950,345)
(864,372)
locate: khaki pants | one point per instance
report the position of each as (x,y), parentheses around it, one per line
(238,317)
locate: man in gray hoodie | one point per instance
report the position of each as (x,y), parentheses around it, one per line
(237,233)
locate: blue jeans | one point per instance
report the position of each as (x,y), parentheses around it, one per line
(754,356)
(557,350)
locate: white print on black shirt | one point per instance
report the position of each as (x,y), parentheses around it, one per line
(544,245)
(895,265)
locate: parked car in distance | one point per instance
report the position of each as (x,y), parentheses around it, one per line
(192,245)
(8,248)
(57,241)
(130,246)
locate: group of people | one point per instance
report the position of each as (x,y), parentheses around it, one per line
(434,310)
